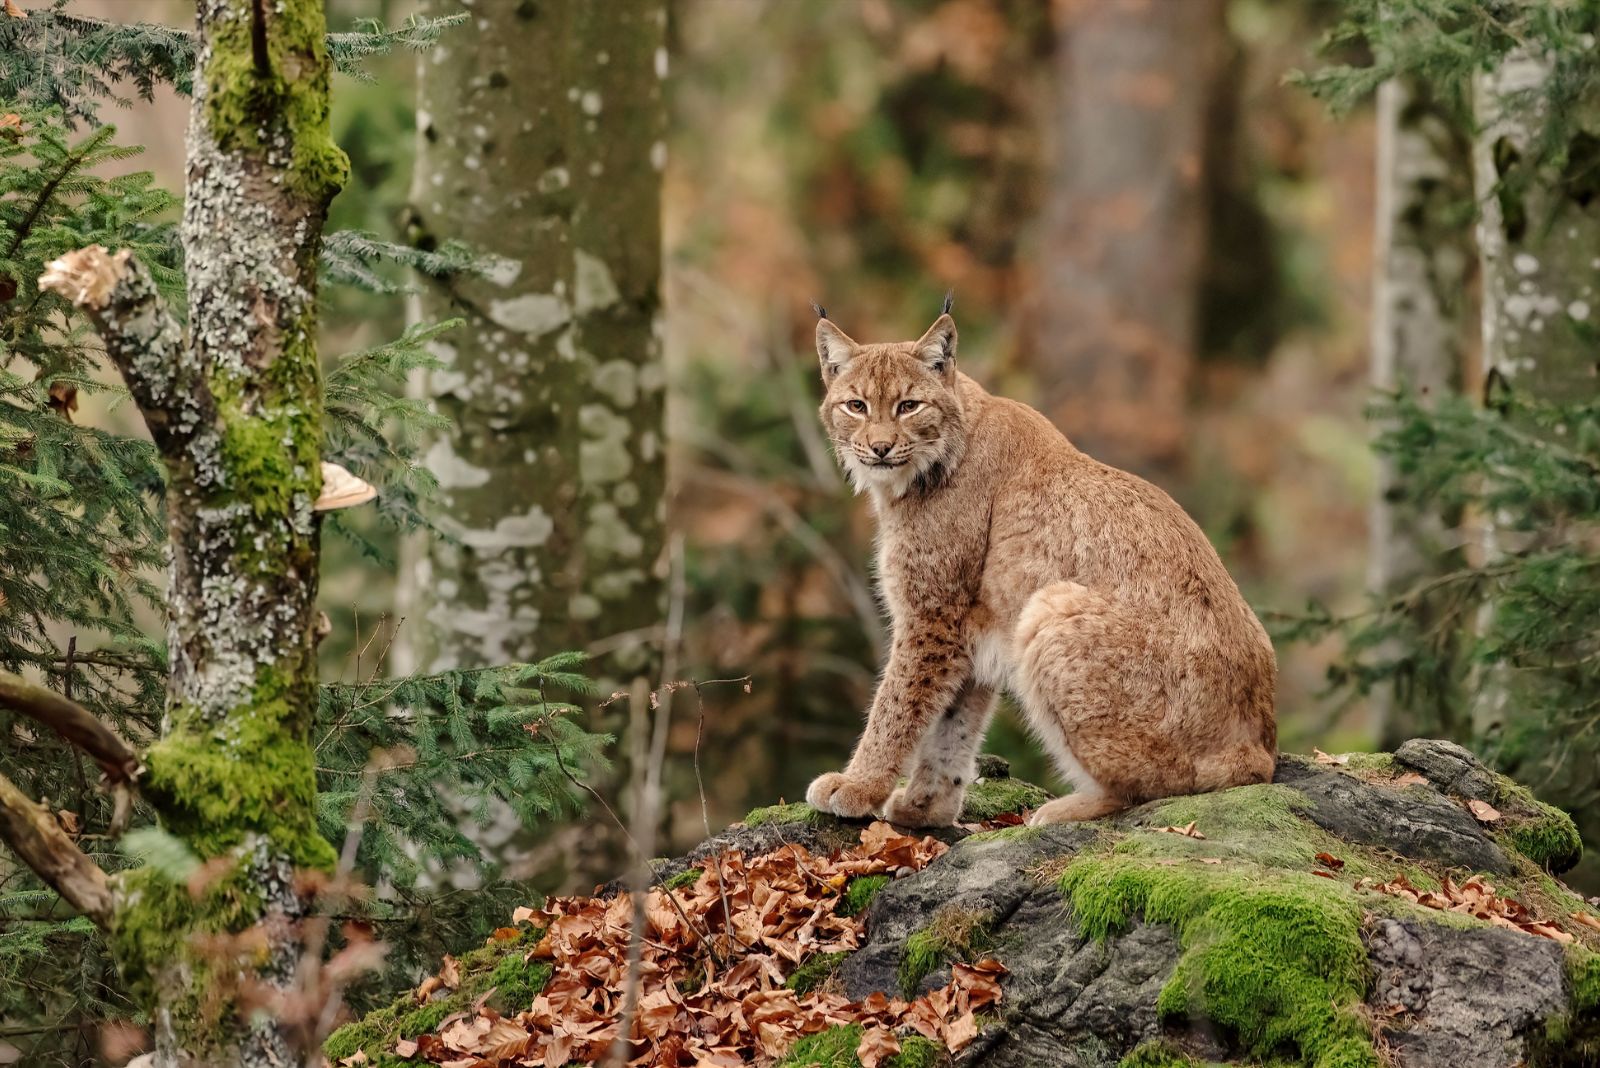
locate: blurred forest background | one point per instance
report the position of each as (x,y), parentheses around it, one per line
(1153,232)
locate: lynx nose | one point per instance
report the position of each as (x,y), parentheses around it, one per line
(881,448)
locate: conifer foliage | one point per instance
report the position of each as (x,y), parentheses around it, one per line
(83,518)
(1503,627)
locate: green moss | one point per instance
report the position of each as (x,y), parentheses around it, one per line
(1542,833)
(1019,833)
(252,111)
(1158,1054)
(1370,763)
(687,877)
(1260,824)
(1573,1037)
(217,783)
(497,964)
(859,892)
(794,812)
(988,798)
(952,932)
(1277,960)
(814,971)
(836,1048)
(517,982)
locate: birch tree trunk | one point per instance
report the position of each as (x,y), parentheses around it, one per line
(1125,228)
(1540,246)
(1419,323)
(539,141)
(236,412)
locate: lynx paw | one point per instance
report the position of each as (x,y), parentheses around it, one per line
(926,810)
(844,795)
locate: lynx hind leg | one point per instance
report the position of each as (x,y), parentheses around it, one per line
(1087,694)
(945,763)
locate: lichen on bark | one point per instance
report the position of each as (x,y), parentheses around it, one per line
(237,415)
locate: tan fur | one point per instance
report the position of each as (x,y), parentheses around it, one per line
(1010,560)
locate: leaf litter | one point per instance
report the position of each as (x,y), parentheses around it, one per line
(712,972)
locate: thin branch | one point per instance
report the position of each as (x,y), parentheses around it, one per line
(141,336)
(32,833)
(74,723)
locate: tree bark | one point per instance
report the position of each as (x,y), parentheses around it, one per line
(1419,332)
(540,133)
(1537,241)
(236,412)
(1124,230)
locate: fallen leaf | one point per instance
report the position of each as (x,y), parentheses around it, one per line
(1411,778)
(1329,861)
(1586,920)
(1187,831)
(1324,874)
(1485,812)
(1329,758)
(406,1047)
(14,11)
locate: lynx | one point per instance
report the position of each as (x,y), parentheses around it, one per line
(1011,561)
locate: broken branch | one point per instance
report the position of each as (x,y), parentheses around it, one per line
(37,839)
(141,336)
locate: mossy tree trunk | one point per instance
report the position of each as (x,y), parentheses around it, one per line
(1539,241)
(1124,231)
(1419,331)
(540,133)
(236,411)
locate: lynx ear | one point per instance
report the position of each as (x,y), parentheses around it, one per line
(937,348)
(834,348)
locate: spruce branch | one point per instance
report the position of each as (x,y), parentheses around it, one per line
(144,341)
(32,833)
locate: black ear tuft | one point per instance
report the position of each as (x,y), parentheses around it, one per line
(822,313)
(949,301)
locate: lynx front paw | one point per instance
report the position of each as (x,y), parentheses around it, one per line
(844,795)
(924,809)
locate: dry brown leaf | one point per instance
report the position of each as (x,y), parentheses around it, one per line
(1187,831)
(1411,778)
(1586,920)
(1483,811)
(406,1047)
(427,988)
(1329,758)
(877,1045)
(1329,861)
(14,11)
(1324,874)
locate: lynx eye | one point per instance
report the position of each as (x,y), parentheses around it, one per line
(906,407)
(859,407)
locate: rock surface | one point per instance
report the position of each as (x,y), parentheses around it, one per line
(1286,923)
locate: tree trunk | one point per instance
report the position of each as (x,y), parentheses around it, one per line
(540,133)
(1419,324)
(1124,231)
(236,411)
(1538,238)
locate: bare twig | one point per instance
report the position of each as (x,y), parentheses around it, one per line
(32,833)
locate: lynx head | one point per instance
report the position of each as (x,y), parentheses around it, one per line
(893,410)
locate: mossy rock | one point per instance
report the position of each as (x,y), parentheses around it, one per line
(1129,943)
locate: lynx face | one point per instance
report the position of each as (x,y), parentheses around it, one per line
(891,410)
